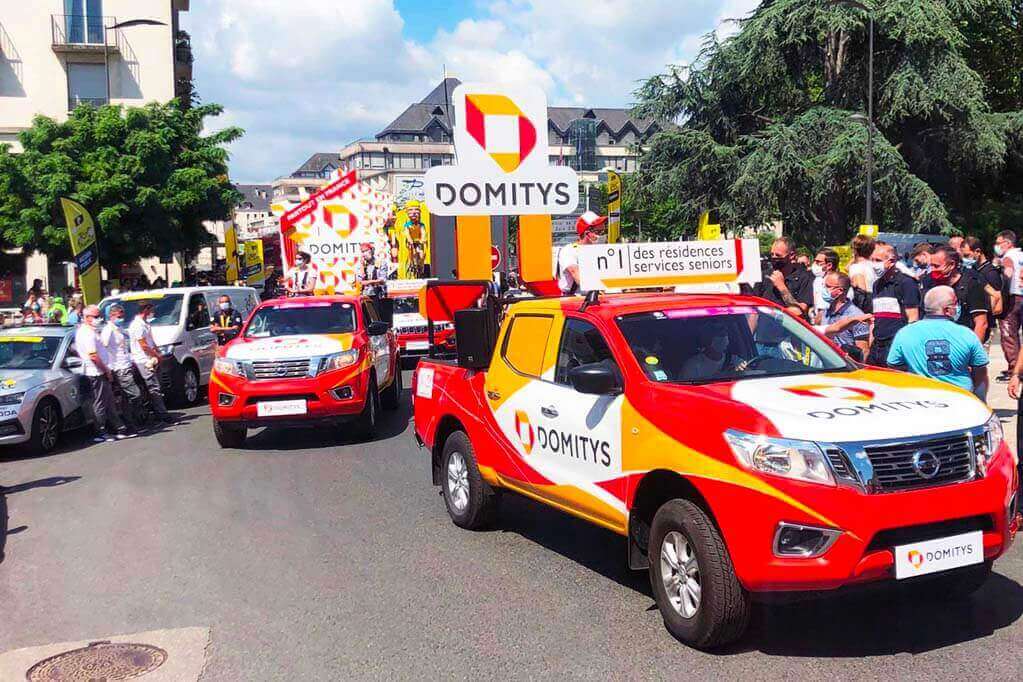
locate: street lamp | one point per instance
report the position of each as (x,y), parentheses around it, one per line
(106,43)
(870,102)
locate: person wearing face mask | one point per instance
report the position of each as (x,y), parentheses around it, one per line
(302,280)
(146,357)
(114,338)
(98,372)
(226,322)
(946,270)
(713,357)
(591,229)
(921,257)
(973,255)
(789,285)
(842,321)
(940,348)
(895,302)
(824,263)
(1011,258)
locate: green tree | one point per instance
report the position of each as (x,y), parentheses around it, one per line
(148,176)
(768,129)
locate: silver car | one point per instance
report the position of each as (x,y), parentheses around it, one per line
(42,391)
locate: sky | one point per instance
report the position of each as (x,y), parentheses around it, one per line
(303,77)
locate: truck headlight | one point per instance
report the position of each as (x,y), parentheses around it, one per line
(12,398)
(797,459)
(227,367)
(167,350)
(985,452)
(345,358)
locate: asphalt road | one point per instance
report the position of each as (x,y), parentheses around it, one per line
(311,557)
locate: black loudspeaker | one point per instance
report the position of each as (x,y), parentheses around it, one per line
(475,335)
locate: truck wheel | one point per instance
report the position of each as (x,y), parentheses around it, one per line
(229,435)
(471,503)
(368,416)
(391,398)
(45,427)
(186,386)
(693,581)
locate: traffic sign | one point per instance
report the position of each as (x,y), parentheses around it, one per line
(495,258)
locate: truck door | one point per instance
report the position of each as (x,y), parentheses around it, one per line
(378,345)
(570,439)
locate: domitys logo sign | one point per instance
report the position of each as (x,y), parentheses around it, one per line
(502,155)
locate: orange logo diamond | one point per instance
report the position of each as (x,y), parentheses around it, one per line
(835,392)
(915,558)
(524,429)
(500,128)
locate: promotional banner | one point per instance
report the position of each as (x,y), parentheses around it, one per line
(503,166)
(411,237)
(253,270)
(82,233)
(614,207)
(334,226)
(231,247)
(616,266)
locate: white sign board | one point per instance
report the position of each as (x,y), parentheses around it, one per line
(617,266)
(398,287)
(502,156)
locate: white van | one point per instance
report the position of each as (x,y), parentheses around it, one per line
(181,330)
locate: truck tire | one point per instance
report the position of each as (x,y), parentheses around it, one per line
(692,578)
(471,502)
(46,427)
(186,386)
(367,421)
(391,397)
(229,435)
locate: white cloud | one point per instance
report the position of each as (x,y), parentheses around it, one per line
(305,77)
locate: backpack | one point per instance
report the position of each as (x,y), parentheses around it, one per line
(863,300)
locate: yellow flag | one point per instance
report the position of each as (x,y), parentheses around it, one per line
(614,207)
(231,246)
(82,233)
(707,231)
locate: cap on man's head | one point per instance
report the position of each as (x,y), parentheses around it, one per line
(589,220)
(91,311)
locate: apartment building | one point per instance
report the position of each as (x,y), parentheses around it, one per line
(57,54)
(591,140)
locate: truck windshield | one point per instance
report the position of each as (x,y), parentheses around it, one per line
(406,304)
(290,320)
(166,308)
(706,345)
(28,352)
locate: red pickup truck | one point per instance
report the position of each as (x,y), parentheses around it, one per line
(306,362)
(740,453)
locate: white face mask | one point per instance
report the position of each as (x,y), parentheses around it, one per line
(879,268)
(225,306)
(817,270)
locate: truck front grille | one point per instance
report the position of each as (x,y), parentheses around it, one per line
(278,369)
(894,467)
(411,329)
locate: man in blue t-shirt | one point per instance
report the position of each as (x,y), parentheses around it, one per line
(939,348)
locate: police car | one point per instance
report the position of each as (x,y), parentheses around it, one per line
(41,389)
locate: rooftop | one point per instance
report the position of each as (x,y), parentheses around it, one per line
(256,198)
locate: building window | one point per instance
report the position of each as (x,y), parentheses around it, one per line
(87,84)
(83,22)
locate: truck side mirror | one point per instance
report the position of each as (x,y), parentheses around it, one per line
(72,362)
(377,328)
(595,378)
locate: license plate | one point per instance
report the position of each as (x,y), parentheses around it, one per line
(279,408)
(417,345)
(921,558)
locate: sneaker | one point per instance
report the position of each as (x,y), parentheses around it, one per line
(1004,377)
(167,418)
(102,438)
(123,435)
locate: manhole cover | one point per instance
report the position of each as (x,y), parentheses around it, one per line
(98,662)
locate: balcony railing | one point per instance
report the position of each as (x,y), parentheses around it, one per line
(77,32)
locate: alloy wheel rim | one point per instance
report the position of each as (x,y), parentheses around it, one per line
(458,481)
(191,387)
(680,574)
(48,427)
